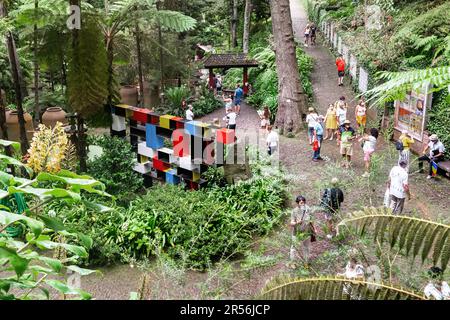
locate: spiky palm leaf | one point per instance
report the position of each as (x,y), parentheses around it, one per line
(416,236)
(333,288)
(398,83)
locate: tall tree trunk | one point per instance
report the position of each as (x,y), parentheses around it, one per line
(3,129)
(37,109)
(19,86)
(139,64)
(291,98)
(110,82)
(161,55)
(247,21)
(234,21)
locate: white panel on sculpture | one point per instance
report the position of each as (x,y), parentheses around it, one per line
(143,168)
(145,151)
(186,163)
(339,47)
(363,80)
(118,123)
(335,40)
(353,66)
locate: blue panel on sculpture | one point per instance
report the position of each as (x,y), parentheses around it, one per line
(171,177)
(152,139)
(193,128)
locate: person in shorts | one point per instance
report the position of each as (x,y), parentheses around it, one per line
(312,34)
(346,136)
(307,34)
(361,117)
(369,145)
(238,94)
(340,64)
(332,199)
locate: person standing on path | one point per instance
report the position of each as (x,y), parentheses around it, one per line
(406,141)
(238,94)
(313,34)
(332,199)
(230,119)
(436,154)
(302,230)
(219,84)
(318,136)
(361,117)
(398,187)
(370,142)
(189,113)
(345,140)
(228,102)
(272,141)
(341,110)
(340,64)
(311,119)
(331,122)
(307,34)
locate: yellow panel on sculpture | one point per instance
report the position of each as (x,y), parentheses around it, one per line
(164,121)
(195,176)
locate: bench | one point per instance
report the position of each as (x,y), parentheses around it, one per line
(445,167)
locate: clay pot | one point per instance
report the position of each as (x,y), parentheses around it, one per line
(12,124)
(53,115)
(129,95)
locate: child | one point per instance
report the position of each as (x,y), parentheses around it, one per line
(370,142)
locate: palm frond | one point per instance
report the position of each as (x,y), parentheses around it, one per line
(416,236)
(175,21)
(333,288)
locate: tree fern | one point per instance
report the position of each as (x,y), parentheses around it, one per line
(333,288)
(416,236)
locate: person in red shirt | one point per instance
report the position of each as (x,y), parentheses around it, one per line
(340,63)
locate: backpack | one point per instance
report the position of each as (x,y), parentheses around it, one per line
(326,199)
(399,146)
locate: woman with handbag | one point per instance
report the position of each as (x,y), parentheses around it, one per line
(303,230)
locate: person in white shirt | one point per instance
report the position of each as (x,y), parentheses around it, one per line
(398,187)
(312,119)
(230,118)
(435,155)
(439,290)
(341,110)
(353,271)
(189,113)
(272,141)
(370,142)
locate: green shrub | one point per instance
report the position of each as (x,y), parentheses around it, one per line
(439,122)
(206,104)
(114,167)
(176,95)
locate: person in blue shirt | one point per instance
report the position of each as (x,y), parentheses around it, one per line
(318,135)
(238,94)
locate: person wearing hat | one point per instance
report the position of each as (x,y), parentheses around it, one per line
(407,141)
(303,231)
(332,199)
(346,136)
(398,187)
(436,154)
(312,118)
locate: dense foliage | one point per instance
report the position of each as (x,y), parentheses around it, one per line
(114,167)
(196,229)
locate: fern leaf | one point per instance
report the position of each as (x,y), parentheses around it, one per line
(428,242)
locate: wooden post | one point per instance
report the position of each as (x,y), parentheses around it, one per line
(211,79)
(245,79)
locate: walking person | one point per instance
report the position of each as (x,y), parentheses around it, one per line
(398,187)
(265,118)
(318,138)
(340,64)
(272,141)
(369,145)
(307,34)
(312,36)
(405,142)
(218,84)
(361,117)
(238,94)
(346,136)
(332,199)
(435,154)
(189,113)
(341,110)
(331,122)
(311,119)
(228,102)
(230,119)
(302,230)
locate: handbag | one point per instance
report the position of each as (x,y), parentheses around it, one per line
(315,145)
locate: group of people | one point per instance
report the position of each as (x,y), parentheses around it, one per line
(310,34)
(336,123)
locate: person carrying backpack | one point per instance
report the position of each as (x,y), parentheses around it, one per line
(332,199)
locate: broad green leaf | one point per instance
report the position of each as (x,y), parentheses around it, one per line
(82,271)
(55,264)
(17,262)
(46,194)
(86,241)
(9,160)
(52,223)
(97,206)
(64,288)
(36,226)
(77,250)
(14,144)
